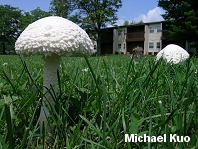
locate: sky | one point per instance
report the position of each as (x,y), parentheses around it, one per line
(131,10)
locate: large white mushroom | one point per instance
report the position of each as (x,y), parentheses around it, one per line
(173,54)
(52,37)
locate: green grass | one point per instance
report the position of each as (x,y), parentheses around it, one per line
(94,109)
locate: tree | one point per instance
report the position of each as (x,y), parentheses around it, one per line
(97,14)
(140,22)
(183,17)
(13,21)
(32,16)
(133,22)
(62,8)
(9,25)
(38,14)
(126,23)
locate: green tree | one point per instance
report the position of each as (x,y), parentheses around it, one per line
(9,26)
(38,14)
(62,8)
(25,20)
(97,14)
(183,17)
(126,23)
(32,16)
(140,22)
(133,22)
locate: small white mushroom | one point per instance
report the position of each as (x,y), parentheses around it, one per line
(52,37)
(173,54)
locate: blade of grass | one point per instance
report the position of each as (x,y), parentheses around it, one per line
(92,142)
(125,84)
(27,129)
(25,136)
(92,72)
(43,135)
(3,144)
(92,126)
(9,126)
(150,129)
(104,109)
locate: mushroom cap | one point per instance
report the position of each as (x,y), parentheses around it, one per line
(173,53)
(53,35)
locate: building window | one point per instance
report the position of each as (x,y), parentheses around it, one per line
(119,46)
(119,32)
(158,29)
(158,45)
(151,45)
(94,47)
(124,32)
(124,46)
(193,44)
(151,29)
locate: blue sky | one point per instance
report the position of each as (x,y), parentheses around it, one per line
(136,10)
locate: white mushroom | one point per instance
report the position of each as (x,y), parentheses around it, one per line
(52,37)
(173,53)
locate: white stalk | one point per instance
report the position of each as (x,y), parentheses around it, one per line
(52,64)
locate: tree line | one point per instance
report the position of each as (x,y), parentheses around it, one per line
(126,22)
(91,15)
(13,21)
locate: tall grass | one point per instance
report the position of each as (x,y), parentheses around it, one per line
(95,108)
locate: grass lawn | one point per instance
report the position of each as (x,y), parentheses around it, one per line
(118,95)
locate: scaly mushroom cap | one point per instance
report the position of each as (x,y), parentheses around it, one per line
(173,53)
(53,35)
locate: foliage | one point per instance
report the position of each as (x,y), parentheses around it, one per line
(126,23)
(65,9)
(32,16)
(91,15)
(99,99)
(9,25)
(62,8)
(132,22)
(183,16)
(140,22)
(13,21)
(97,14)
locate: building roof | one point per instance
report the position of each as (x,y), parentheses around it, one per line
(141,24)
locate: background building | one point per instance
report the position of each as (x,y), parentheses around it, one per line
(152,37)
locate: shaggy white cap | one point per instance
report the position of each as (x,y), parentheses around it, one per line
(173,53)
(53,35)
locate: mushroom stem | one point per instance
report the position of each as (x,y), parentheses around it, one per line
(52,64)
